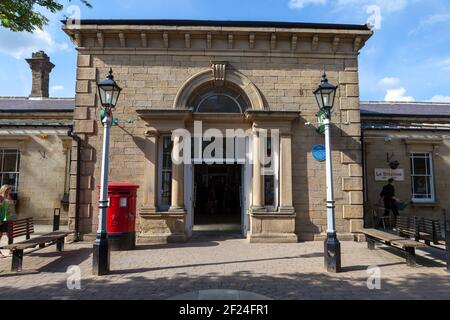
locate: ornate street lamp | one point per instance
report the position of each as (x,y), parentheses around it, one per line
(109,93)
(325,95)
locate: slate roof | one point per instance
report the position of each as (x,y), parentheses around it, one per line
(405,109)
(23,104)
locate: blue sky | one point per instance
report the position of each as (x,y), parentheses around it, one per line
(408,58)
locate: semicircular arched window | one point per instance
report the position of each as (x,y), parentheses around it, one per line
(212,99)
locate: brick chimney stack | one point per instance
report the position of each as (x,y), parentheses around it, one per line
(40,67)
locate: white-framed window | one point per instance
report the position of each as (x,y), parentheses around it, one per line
(165,173)
(422,177)
(271,176)
(9,168)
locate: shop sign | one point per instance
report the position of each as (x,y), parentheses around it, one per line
(384,174)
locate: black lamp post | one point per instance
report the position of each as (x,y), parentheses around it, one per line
(325,95)
(109,93)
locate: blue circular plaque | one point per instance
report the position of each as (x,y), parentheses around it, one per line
(318,153)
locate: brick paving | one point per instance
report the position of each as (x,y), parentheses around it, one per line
(278,271)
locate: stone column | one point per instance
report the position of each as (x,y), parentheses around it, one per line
(177,203)
(286,203)
(258,182)
(150,173)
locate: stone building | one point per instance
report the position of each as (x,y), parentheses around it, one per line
(228,75)
(414,139)
(35,149)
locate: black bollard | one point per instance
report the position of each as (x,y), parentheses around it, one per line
(56,218)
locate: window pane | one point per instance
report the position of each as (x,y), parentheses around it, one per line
(420,166)
(269,190)
(167,161)
(219,104)
(9,162)
(10,179)
(421,185)
(167,153)
(166,171)
(166,188)
(212,99)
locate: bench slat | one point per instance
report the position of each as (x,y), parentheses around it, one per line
(21,229)
(392,238)
(381,235)
(408,243)
(51,237)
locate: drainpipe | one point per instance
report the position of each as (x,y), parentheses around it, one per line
(75,137)
(364,177)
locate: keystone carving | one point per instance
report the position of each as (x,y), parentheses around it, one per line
(219,72)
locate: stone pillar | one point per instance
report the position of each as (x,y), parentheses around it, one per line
(150,174)
(286,203)
(258,182)
(177,179)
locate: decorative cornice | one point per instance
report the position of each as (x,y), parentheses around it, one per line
(100,39)
(294,39)
(122,39)
(335,43)
(273,40)
(187,40)
(230,41)
(251,41)
(144,41)
(166,39)
(209,40)
(315,42)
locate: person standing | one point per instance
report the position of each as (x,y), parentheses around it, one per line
(390,201)
(6,210)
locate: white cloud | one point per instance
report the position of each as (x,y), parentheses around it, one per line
(385,5)
(439,98)
(389,82)
(434,19)
(299,4)
(430,21)
(444,64)
(398,95)
(56,88)
(21,45)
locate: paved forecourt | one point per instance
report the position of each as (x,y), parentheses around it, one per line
(275,271)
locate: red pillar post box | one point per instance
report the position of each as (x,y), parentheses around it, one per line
(121,219)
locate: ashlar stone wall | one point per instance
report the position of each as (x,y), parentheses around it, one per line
(285,66)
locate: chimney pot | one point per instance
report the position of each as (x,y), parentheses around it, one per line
(40,68)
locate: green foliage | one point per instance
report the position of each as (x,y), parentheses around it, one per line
(22,15)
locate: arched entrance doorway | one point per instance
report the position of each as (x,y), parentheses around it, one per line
(218,180)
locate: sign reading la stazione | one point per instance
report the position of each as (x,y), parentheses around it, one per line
(384,174)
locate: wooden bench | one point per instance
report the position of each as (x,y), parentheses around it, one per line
(420,228)
(430,231)
(26,228)
(407,245)
(20,228)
